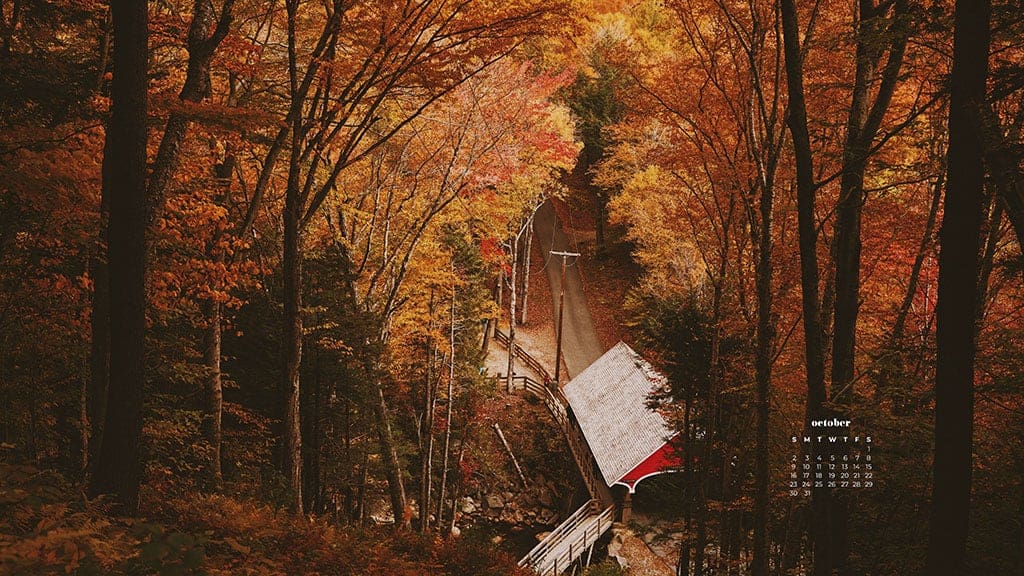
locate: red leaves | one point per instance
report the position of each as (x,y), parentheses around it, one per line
(491,250)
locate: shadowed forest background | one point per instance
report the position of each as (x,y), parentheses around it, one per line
(253,252)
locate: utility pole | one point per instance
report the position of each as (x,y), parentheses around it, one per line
(561,313)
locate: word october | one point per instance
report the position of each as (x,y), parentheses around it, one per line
(832,422)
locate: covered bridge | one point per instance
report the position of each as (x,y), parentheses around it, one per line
(629,441)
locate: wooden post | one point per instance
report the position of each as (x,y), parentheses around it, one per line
(627,506)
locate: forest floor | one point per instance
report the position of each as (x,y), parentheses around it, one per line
(641,558)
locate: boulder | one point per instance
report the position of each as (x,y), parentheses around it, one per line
(545,498)
(494,502)
(615,546)
(547,516)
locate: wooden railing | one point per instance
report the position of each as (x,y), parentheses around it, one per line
(567,543)
(570,540)
(524,356)
(556,404)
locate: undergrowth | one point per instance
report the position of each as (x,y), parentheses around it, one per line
(48,526)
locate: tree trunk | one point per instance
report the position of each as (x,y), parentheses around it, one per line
(213,403)
(915,271)
(292,272)
(292,342)
(491,324)
(360,515)
(992,220)
(514,252)
(447,415)
(702,519)
(526,270)
(892,369)
(99,353)
(392,466)
(862,126)
(103,48)
(82,441)
(427,435)
(118,467)
(813,349)
(10,27)
(683,563)
(763,370)
(205,34)
(958,294)
(456,491)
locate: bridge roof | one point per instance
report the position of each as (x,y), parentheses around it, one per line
(608,400)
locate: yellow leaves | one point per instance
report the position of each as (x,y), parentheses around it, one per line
(656,219)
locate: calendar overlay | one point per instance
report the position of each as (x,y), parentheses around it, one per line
(829,455)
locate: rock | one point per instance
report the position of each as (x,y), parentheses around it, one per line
(509,496)
(545,498)
(541,536)
(547,516)
(616,544)
(648,538)
(467,505)
(497,540)
(494,502)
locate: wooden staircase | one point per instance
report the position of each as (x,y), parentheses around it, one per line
(571,540)
(578,533)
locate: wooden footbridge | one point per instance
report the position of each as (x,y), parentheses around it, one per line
(571,544)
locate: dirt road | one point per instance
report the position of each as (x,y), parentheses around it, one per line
(580,344)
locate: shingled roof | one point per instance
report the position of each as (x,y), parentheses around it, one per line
(609,402)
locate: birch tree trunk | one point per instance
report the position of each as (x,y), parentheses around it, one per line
(512,313)
(447,415)
(427,440)
(526,269)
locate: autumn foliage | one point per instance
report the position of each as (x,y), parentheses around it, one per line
(331,201)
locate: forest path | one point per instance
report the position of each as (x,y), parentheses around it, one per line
(580,343)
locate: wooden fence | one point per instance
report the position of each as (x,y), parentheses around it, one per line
(524,356)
